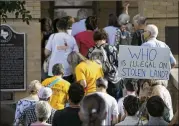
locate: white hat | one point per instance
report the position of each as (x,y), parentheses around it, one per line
(45,93)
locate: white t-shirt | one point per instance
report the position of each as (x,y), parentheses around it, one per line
(60,52)
(69,31)
(112,108)
(111,31)
(78,27)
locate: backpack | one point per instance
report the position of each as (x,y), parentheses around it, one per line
(107,55)
(99,53)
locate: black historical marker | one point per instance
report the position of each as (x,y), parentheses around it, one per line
(12,59)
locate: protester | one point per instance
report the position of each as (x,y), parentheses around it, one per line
(92,110)
(131,107)
(79,26)
(131,89)
(46,31)
(155,108)
(29,116)
(112,29)
(125,37)
(43,112)
(59,87)
(150,36)
(24,103)
(112,108)
(124,18)
(85,39)
(139,23)
(69,116)
(108,56)
(86,71)
(61,44)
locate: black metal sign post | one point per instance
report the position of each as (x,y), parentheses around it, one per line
(12,59)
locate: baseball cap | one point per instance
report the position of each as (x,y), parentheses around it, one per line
(102,82)
(45,93)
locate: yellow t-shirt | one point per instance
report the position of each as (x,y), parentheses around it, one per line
(89,71)
(60,92)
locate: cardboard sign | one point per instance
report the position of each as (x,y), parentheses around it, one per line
(143,62)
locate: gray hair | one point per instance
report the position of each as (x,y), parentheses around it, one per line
(123,19)
(153,30)
(34,87)
(82,14)
(140,20)
(43,110)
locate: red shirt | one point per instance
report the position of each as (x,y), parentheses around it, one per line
(85,41)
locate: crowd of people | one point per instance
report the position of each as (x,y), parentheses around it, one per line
(81,85)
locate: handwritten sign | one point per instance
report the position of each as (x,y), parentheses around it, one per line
(144,62)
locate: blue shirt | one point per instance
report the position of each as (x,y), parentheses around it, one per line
(153,42)
(78,27)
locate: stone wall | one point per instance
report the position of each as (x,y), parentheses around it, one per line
(33,41)
(162,13)
(104,9)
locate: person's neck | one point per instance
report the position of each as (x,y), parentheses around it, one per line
(89,30)
(43,122)
(152,117)
(61,31)
(33,97)
(59,76)
(72,105)
(101,43)
(130,92)
(102,90)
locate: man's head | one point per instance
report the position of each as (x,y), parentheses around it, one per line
(45,94)
(101,84)
(58,69)
(131,85)
(123,19)
(62,24)
(82,14)
(150,31)
(76,93)
(131,105)
(139,22)
(100,37)
(155,106)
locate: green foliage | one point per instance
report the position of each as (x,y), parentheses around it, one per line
(16,7)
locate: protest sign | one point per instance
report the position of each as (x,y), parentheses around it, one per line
(143,62)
